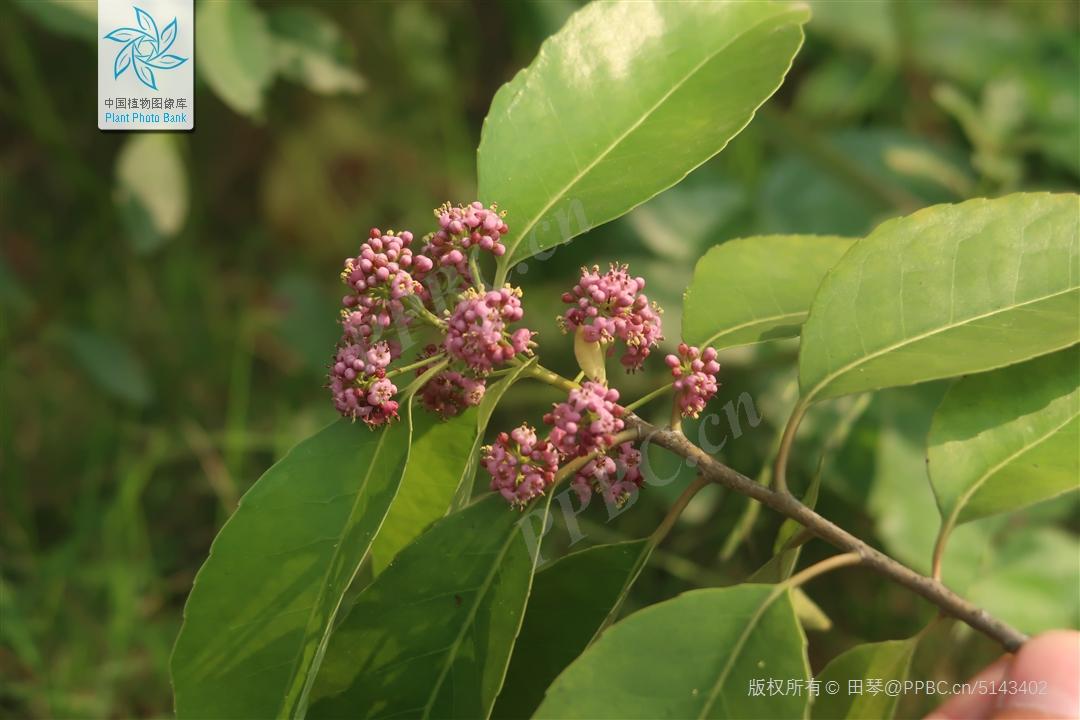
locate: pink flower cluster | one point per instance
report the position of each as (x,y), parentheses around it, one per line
(615,479)
(379,278)
(461,228)
(359,384)
(586,421)
(477,332)
(611,306)
(449,392)
(521,466)
(387,282)
(695,383)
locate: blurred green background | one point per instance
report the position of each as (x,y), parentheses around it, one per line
(168,302)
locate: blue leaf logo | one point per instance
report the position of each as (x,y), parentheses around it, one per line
(145,48)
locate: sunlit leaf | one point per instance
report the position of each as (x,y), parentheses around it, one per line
(1005,439)
(676,81)
(259,616)
(236,56)
(756,289)
(152,188)
(951,289)
(691,657)
(442,464)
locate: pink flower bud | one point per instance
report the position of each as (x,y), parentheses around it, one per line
(521,466)
(695,378)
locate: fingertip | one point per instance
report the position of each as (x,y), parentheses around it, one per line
(1044,679)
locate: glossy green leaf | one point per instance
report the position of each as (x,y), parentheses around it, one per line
(756,289)
(442,463)
(889,660)
(432,636)
(691,657)
(1005,439)
(440,459)
(236,53)
(676,82)
(260,613)
(949,290)
(592,583)
(311,50)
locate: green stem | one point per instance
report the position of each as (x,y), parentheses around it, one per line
(577,463)
(541,373)
(676,417)
(412,366)
(831,563)
(424,314)
(785,504)
(474,269)
(646,398)
(676,510)
(422,380)
(786,441)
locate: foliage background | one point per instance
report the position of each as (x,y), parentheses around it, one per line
(167,302)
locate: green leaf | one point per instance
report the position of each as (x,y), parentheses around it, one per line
(951,289)
(810,615)
(900,499)
(571,600)
(311,50)
(236,53)
(260,613)
(756,289)
(110,364)
(152,189)
(1005,439)
(432,636)
(691,657)
(1032,582)
(441,458)
(442,464)
(676,81)
(76,18)
(889,660)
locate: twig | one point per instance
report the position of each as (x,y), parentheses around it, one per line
(786,441)
(787,505)
(675,510)
(646,398)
